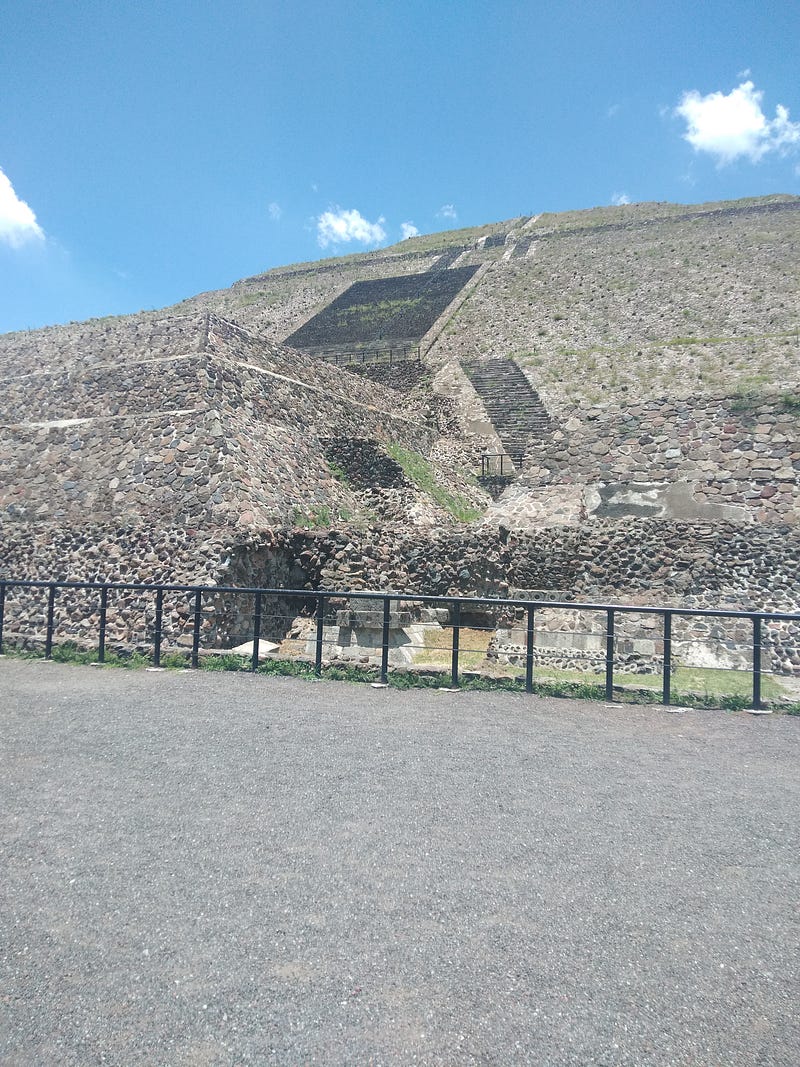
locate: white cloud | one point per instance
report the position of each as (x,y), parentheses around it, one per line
(447,211)
(618,199)
(275,211)
(734,125)
(338,227)
(408,229)
(17,222)
(612,111)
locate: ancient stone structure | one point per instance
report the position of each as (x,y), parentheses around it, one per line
(657,460)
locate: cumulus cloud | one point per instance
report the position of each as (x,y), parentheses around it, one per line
(447,211)
(618,199)
(733,125)
(18,223)
(275,211)
(408,229)
(339,226)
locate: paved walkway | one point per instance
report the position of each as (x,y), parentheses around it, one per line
(221,869)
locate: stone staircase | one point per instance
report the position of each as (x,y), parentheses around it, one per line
(512,404)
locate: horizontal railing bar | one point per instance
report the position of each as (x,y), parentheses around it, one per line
(416,598)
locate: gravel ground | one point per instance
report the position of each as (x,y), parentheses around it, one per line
(222,869)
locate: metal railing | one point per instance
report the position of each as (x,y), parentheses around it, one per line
(456,606)
(363,356)
(497,465)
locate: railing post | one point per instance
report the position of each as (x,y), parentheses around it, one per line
(756,661)
(2,612)
(456,616)
(665,694)
(51,603)
(610,654)
(320,625)
(387,609)
(157,627)
(198,603)
(256,631)
(529,637)
(101,644)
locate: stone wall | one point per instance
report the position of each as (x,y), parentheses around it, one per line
(192,467)
(734,459)
(399,309)
(402,375)
(631,561)
(104,390)
(363,464)
(148,335)
(634,562)
(229,433)
(142,553)
(675,306)
(639,562)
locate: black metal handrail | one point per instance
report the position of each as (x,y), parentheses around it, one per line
(455,605)
(362,356)
(494,464)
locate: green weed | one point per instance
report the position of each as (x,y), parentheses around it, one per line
(227,661)
(70,652)
(339,474)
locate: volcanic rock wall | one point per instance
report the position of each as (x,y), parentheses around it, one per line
(213,427)
(733,459)
(643,301)
(630,561)
(137,551)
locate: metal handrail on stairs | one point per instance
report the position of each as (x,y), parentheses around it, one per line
(497,465)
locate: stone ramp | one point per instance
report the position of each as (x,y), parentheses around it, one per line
(382,312)
(511,402)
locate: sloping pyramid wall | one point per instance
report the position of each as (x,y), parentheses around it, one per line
(215,428)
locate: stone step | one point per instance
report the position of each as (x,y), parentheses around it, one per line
(513,405)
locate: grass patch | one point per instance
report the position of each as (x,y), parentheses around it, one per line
(701,681)
(319,518)
(713,681)
(790,401)
(252,298)
(696,687)
(70,652)
(225,661)
(339,474)
(438,649)
(419,471)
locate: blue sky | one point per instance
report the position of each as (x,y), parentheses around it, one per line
(150,151)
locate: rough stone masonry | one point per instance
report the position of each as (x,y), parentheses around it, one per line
(181,446)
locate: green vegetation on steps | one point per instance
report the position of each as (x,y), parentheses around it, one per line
(419,471)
